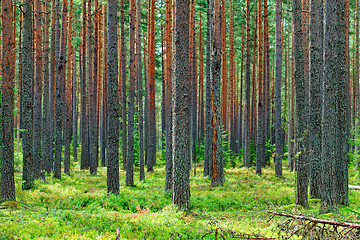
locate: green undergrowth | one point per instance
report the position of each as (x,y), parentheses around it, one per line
(77,207)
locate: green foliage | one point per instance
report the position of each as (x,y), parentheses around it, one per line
(77,206)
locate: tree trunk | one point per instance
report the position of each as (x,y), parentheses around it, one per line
(152,123)
(260,138)
(38,78)
(112,155)
(60,89)
(208,127)
(140,89)
(123,86)
(247,138)
(217,150)
(315,106)
(301,133)
(27,97)
(45,111)
(278,73)
(85,163)
(7,181)
(169,97)
(131,109)
(104,118)
(180,87)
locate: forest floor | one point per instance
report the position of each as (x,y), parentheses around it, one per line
(77,207)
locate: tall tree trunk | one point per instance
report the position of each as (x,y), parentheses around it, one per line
(112,155)
(217,150)
(85,163)
(356,82)
(278,73)
(260,139)
(152,123)
(247,138)
(104,118)
(301,110)
(68,94)
(224,97)
(232,82)
(180,87)
(38,78)
(93,101)
(60,88)
(7,181)
(208,127)
(315,106)
(45,113)
(74,106)
(201,119)
(169,99)
(123,85)
(140,89)
(131,109)
(241,130)
(27,96)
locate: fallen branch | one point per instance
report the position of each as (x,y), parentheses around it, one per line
(317,220)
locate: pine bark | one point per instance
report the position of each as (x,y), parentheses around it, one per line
(123,85)
(201,117)
(315,106)
(112,155)
(180,87)
(104,117)
(151,160)
(232,82)
(247,112)
(7,181)
(169,96)
(131,108)
(85,162)
(278,74)
(140,89)
(27,96)
(260,138)
(38,78)
(46,143)
(60,89)
(335,119)
(208,128)
(217,165)
(68,95)
(301,131)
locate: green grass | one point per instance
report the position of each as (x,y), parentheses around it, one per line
(77,207)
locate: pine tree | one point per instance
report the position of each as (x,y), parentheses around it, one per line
(7,181)
(112,155)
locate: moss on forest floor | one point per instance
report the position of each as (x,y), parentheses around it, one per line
(77,207)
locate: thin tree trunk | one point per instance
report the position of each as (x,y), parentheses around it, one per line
(38,78)
(315,106)
(140,89)
(7,182)
(59,98)
(123,86)
(27,97)
(278,73)
(260,139)
(46,143)
(247,112)
(112,155)
(169,99)
(104,117)
(217,150)
(301,110)
(131,109)
(151,160)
